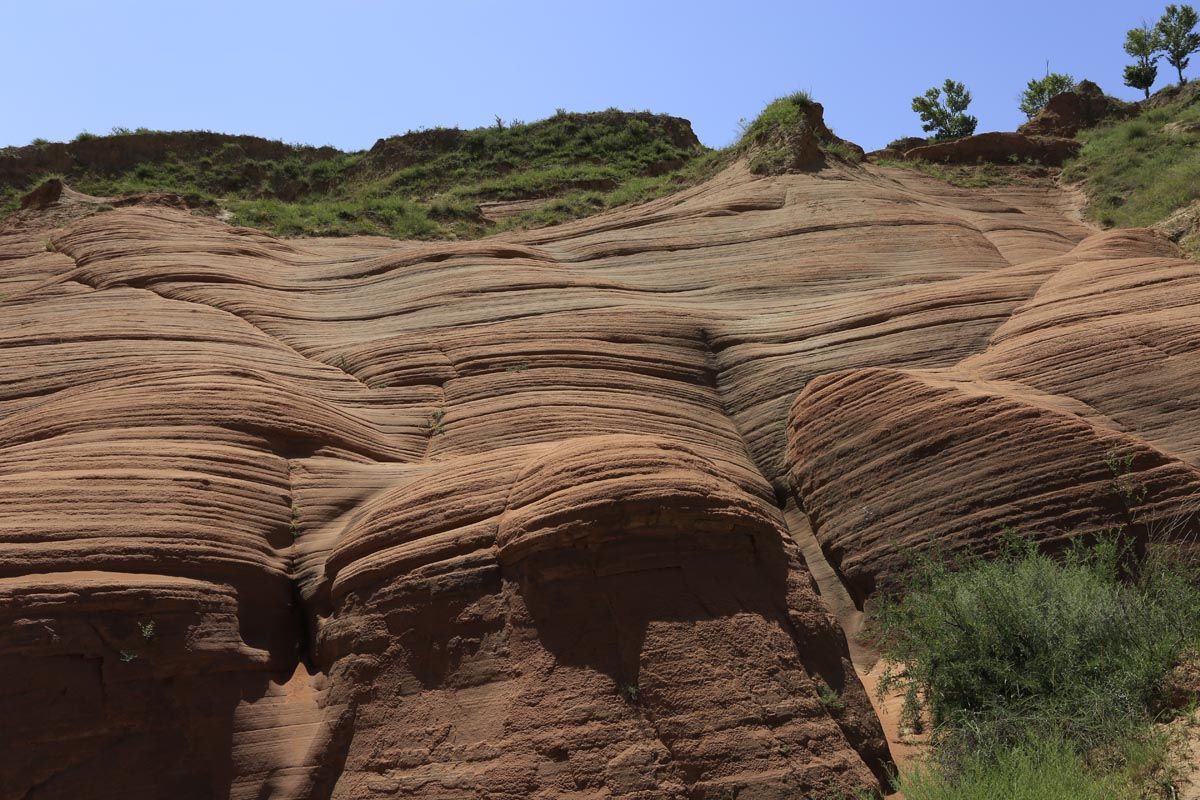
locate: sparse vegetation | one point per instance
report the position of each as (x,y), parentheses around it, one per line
(1039,91)
(972,176)
(1126,486)
(1139,171)
(147,630)
(945,118)
(433,424)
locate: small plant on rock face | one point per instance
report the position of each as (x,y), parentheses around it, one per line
(1120,464)
(433,425)
(630,692)
(128,656)
(147,629)
(829,697)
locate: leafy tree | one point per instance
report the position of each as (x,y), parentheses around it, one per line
(1039,91)
(1142,43)
(946,120)
(1176,37)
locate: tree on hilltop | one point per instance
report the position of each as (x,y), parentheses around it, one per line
(1142,44)
(945,120)
(1177,38)
(1039,91)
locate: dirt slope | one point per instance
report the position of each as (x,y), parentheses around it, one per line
(362,518)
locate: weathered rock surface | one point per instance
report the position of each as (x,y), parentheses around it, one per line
(522,517)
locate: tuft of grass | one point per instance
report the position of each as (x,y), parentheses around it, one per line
(1044,768)
(784,112)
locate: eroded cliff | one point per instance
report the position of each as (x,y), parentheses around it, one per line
(538,516)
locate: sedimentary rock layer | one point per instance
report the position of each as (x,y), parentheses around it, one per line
(505,519)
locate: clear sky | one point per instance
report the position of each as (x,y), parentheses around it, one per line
(346,73)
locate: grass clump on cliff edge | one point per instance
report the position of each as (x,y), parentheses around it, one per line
(782,113)
(1139,171)
(790,134)
(1028,665)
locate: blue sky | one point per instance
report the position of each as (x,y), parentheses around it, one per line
(349,72)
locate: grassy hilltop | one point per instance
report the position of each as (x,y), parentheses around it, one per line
(423,184)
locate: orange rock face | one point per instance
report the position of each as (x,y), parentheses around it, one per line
(506,519)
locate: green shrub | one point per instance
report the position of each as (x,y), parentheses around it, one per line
(1029,645)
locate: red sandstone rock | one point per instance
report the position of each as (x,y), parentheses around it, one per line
(505,519)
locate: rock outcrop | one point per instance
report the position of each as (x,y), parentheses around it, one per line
(534,516)
(1067,113)
(997,148)
(791,136)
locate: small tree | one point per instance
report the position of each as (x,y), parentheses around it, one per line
(945,120)
(1142,44)
(1039,91)
(1176,37)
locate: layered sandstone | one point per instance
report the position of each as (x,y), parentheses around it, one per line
(540,515)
